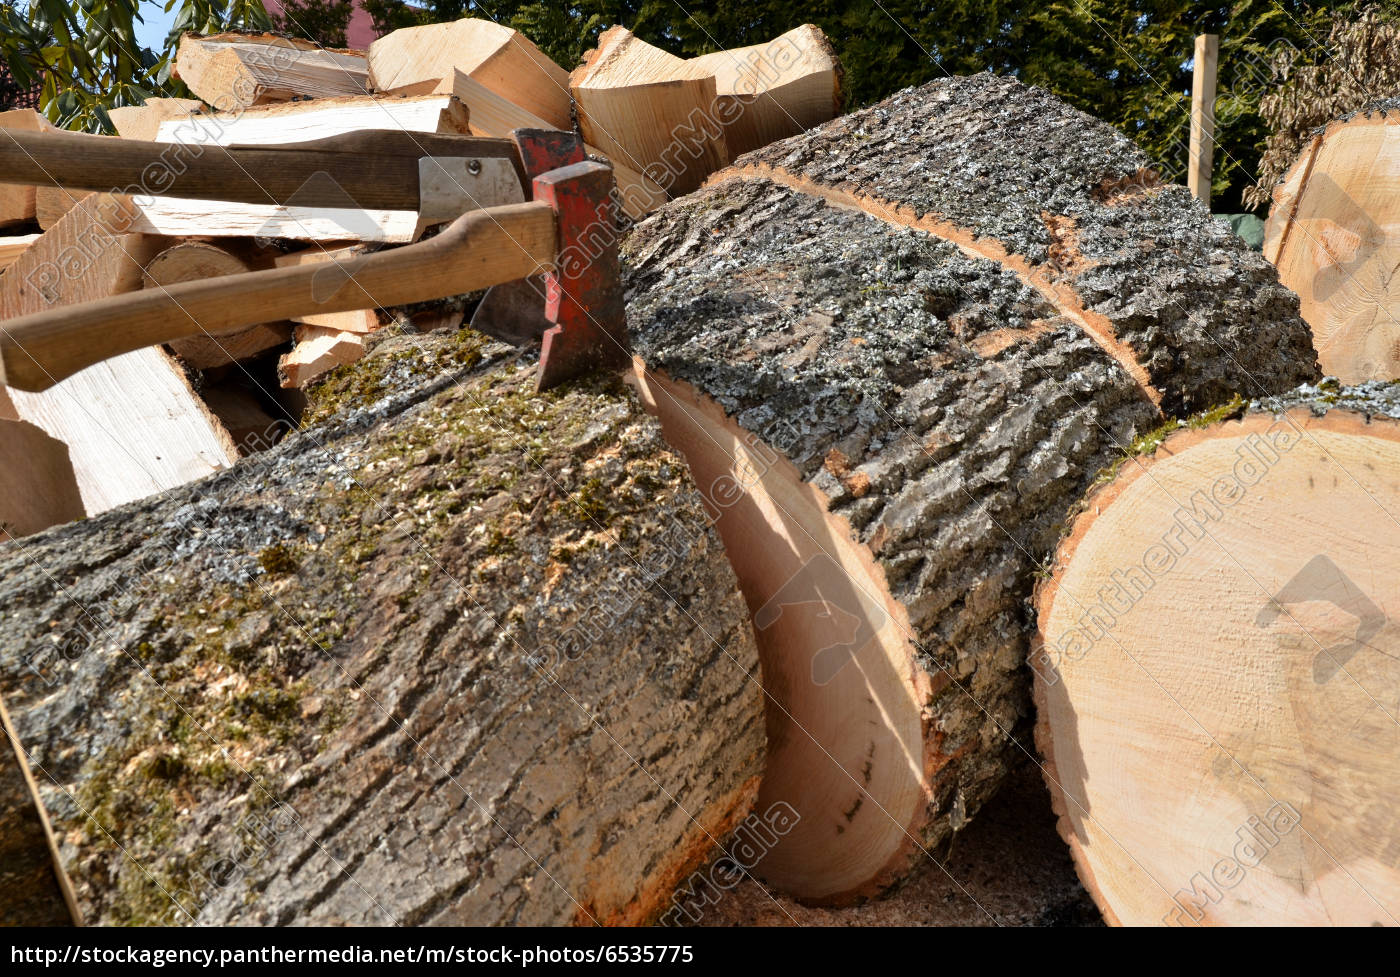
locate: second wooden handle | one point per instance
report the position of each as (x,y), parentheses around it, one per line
(480,249)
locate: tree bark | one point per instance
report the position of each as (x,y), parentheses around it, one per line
(1216,669)
(896,351)
(454,653)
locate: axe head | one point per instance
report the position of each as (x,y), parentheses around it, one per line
(575,310)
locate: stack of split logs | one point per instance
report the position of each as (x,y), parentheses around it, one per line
(163,416)
(954,440)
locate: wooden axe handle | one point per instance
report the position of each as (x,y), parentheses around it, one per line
(480,249)
(369,170)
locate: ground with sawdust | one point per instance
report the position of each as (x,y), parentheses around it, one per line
(1009,868)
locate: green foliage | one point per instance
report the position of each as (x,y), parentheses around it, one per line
(1364,67)
(1126,61)
(86,54)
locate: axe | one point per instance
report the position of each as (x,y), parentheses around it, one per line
(564,239)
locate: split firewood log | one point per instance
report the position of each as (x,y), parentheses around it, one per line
(233,71)
(1217,668)
(453,653)
(289,123)
(1334,234)
(133,424)
(318,351)
(896,350)
(776,89)
(51,203)
(191,261)
(37,486)
(415,60)
(495,115)
(143,121)
(14,245)
(354,321)
(17,205)
(650,111)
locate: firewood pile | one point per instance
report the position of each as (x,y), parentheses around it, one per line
(954,440)
(198,404)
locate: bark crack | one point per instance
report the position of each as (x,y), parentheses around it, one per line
(1041,278)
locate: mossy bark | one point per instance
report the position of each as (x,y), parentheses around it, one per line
(950,311)
(454,653)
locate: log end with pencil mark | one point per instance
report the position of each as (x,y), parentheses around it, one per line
(1220,639)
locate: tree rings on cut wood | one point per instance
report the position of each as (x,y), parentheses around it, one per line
(1334,233)
(1218,670)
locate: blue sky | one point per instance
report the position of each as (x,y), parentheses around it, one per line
(154,24)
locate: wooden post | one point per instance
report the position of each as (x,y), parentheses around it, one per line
(1203,116)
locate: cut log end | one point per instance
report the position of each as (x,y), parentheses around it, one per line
(1334,233)
(845,744)
(1216,670)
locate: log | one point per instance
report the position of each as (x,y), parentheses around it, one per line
(1216,668)
(206,353)
(51,203)
(415,60)
(774,90)
(144,121)
(489,667)
(351,320)
(37,485)
(17,199)
(12,246)
(318,350)
(290,122)
(133,425)
(295,122)
(493,115)
(35,892)
(235,71)
(895,351)
(650,110)
(192,261)
(1334,233)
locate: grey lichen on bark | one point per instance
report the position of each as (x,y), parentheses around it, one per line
(1008,162)
(950,412)
(454,652)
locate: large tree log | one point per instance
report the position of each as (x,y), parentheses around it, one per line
(1217,666)
(454,653)
(896,350)
(1334,233)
